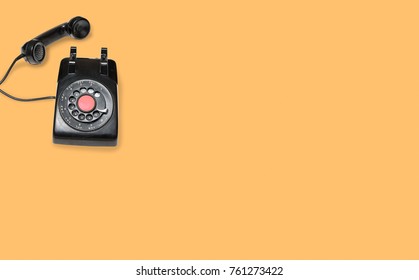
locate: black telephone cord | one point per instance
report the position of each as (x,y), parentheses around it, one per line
(17,98)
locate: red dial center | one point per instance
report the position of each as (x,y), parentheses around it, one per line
(86,103)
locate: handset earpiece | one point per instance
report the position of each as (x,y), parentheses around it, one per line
(34,50)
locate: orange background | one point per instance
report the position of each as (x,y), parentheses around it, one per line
(248,130)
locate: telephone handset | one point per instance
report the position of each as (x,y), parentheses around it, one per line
(34,50)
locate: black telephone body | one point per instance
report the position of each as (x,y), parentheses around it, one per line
(86,106)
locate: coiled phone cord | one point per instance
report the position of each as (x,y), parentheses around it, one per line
(17,98)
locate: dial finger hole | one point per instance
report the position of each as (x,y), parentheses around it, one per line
(75,113)
(72,99)
(96,114)
(76,93)
(82,117)
(71,106)
(90,90)
(89,117)
(83,90)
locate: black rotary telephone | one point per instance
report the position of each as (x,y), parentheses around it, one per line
(86,107)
